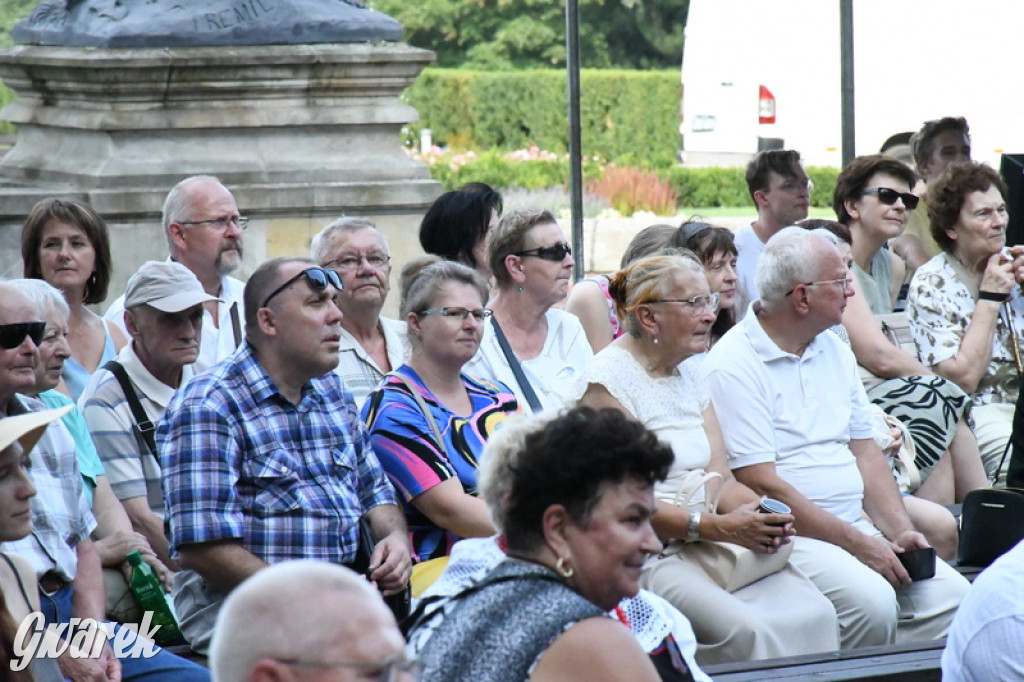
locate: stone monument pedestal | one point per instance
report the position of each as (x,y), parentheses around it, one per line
(301,134)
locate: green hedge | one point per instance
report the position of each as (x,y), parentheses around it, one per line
(699,187)
(630,117)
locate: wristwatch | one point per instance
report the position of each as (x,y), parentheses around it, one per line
(693,527)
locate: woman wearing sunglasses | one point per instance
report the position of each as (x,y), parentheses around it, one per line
(667,310)
(428,421)
(536,350)
(965,306)
(66,243)
(872,198)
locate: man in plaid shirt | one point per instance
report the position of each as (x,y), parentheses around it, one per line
(265,459)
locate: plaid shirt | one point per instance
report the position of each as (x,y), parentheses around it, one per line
(241,462)
(60,511)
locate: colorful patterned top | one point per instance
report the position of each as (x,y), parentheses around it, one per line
(602,282)
(408,450)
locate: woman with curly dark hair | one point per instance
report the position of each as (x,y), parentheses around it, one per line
(716,249)
(965,306)
(66,243)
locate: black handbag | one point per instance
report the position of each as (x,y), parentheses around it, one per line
(398,603)
(991,523)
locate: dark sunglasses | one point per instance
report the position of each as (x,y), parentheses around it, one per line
(317,278)
(889,196)
(555,252)
(13,335)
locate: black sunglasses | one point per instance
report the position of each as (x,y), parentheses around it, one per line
(889,196)
(317,278)
(13,335)
(555,252)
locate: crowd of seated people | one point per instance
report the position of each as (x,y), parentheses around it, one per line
(286,419)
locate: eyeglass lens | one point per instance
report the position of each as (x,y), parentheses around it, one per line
(13,335)
(889,196)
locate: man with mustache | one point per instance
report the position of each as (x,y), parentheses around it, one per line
(164,313)
(204,233)
(265,458)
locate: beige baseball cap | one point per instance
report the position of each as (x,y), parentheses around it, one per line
(167,286)
(28,428)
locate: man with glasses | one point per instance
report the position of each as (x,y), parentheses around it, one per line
(781,192)
(371,345)
(204,233)
(59,548)
(265,458)
(797,428)
(264,633)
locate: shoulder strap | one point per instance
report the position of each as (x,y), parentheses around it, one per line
(144,428)
(17,576)
(422,405)
(236,324)
(517,370)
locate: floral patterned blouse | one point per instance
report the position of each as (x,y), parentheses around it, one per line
(940,305)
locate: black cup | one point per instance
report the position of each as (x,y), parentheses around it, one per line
(770,506)
(920,563)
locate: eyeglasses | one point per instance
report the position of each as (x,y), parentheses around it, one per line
(13,335)
(696,305)
(842,282)
(555,252)
(889,196)
(793,185)
(386,670)
(220,224)
(377,261)
(317,278)
(480,314)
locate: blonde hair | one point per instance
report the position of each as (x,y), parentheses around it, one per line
(645,280)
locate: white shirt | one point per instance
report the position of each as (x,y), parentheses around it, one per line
(799,412)
(986,638)
(218,340)
(749,248)
(552,374)
(358,370)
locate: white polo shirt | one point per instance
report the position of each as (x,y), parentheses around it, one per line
(749,248)
(797,411)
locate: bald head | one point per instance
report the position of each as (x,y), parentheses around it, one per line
(301,610)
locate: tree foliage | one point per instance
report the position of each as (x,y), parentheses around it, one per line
(517,34)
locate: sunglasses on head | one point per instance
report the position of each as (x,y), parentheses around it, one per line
(13,335)
(555,252)
(316,278)
(889,196)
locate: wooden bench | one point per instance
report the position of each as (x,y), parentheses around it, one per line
(911,662)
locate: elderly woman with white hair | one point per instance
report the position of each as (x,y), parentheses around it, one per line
(371,345)
(668,311)
(114,536)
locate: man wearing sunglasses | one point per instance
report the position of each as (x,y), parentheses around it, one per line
(265,458)
(781,192)
(797,428)
(66,563)
(204,233)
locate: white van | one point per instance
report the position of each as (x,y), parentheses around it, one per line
(764,74)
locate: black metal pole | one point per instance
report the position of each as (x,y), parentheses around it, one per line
(846,77)
(572,63)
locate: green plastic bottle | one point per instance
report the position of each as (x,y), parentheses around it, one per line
(150,595)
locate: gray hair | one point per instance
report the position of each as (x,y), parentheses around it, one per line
(178,204)
(423,278)
(789,258)
(44,296)
(280,598)
(319,248)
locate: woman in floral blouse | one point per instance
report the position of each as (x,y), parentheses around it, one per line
(965,306)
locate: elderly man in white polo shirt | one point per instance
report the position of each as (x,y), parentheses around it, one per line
(164,318)
(794,415)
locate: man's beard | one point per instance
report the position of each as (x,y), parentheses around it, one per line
(222,266)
